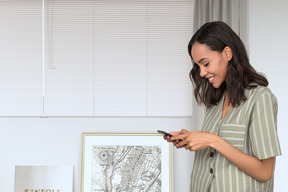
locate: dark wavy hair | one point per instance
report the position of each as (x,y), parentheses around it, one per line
(240,74)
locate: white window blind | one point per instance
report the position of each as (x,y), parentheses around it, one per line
(169,31)
(107,58)
(20,58)
(120,58)
(69,65)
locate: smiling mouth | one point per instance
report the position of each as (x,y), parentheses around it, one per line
(211,79)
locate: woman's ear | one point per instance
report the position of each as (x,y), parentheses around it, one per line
(227,53)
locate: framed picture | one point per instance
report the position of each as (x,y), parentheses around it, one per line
(118,162)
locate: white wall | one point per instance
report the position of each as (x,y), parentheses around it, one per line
(57,141)
(268,49)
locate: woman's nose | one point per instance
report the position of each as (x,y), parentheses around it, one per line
(203,72)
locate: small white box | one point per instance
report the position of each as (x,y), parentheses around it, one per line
(43,179)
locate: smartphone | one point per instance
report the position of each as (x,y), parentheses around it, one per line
(167,134)
(164,133)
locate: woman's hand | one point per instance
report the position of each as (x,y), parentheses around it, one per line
(174,141)
(194,140)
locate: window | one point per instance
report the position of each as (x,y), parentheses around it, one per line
(95,58)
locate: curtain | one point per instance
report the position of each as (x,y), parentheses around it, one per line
(232,12)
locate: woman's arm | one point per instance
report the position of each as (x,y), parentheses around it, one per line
(261,170)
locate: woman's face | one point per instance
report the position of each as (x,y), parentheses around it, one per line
(213,65)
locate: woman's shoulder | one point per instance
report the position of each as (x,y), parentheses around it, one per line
(258,91)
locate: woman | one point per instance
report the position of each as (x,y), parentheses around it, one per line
(236,149)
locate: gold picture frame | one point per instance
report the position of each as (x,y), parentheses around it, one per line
(126,162)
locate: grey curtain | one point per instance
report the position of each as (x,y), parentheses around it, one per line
(232,12)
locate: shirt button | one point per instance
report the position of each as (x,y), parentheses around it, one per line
(211,171)
(212,154)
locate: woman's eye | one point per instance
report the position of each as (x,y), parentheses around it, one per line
(206,65)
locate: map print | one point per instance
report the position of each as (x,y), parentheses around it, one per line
(126,168)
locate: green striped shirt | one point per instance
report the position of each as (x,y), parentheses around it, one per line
(252,129)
